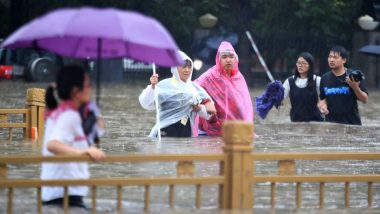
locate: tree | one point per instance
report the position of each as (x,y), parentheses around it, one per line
(282,28)
(285,28)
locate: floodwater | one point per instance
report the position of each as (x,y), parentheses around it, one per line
(128,125)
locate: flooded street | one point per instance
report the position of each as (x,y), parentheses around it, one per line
(128,125)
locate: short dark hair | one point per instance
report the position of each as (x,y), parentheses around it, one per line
(341,51)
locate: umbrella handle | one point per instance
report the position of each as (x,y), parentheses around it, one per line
(157,110)
(259,55)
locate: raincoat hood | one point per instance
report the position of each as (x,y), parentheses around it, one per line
(226,48)
(229,93)
(174,70)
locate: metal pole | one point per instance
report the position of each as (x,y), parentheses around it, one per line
(157,110)
(261,59)
(98,67)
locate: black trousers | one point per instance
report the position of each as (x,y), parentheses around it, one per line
(74,201)
(177,130)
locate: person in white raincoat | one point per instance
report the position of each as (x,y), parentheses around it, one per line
(179,99)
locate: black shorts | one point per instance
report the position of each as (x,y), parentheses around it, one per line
(177,130)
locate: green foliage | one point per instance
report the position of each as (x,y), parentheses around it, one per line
(290,26)
(282,28)
(4,18)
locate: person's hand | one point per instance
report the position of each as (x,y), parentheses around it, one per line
(197,108)
(352,83)
(323,108)
(210,108)
(95,153)
(153,80)
(213,119)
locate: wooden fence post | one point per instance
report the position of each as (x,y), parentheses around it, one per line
(3,171)
(35,101)
(238,167)
(4,119)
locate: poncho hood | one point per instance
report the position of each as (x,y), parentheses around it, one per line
(174,69)
(224,48)
(230,94)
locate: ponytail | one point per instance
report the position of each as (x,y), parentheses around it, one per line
(67,78)
(50,99)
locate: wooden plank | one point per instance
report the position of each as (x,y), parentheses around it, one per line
(198,196)
(65,199)
(33,116)
(236,190)
(28,127)
(39,200)
(3,171)
(112,158)
(147,198)
(13,111)
(10,201)
(223,189)
(10,134)
(159,157)
(347,194)
(41,124)
(119,198)
(13,125)
(273,195)
(316,178)
(247,173)
(136,181)
(93,199)
(35,103)
(169,157)
(253,184)
(317,156)
(321,195)
(171,196)
(3,118)
(370,194)
(298,195)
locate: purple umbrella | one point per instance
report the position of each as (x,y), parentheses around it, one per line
(93,33)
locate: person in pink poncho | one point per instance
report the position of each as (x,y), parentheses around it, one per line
(228,89)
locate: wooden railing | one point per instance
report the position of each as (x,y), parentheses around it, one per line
(184,170)
(33,115)
(287,174)
(236,178)
(6,123)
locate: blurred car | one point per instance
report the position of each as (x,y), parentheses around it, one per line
(31,64)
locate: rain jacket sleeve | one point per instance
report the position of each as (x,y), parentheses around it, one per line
(203,113)
(287,88)
(146,98)
(202,96)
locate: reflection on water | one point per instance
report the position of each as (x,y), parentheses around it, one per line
(128,125)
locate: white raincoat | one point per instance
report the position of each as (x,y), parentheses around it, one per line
(175,99)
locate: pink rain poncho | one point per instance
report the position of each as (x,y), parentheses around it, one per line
(230,94)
